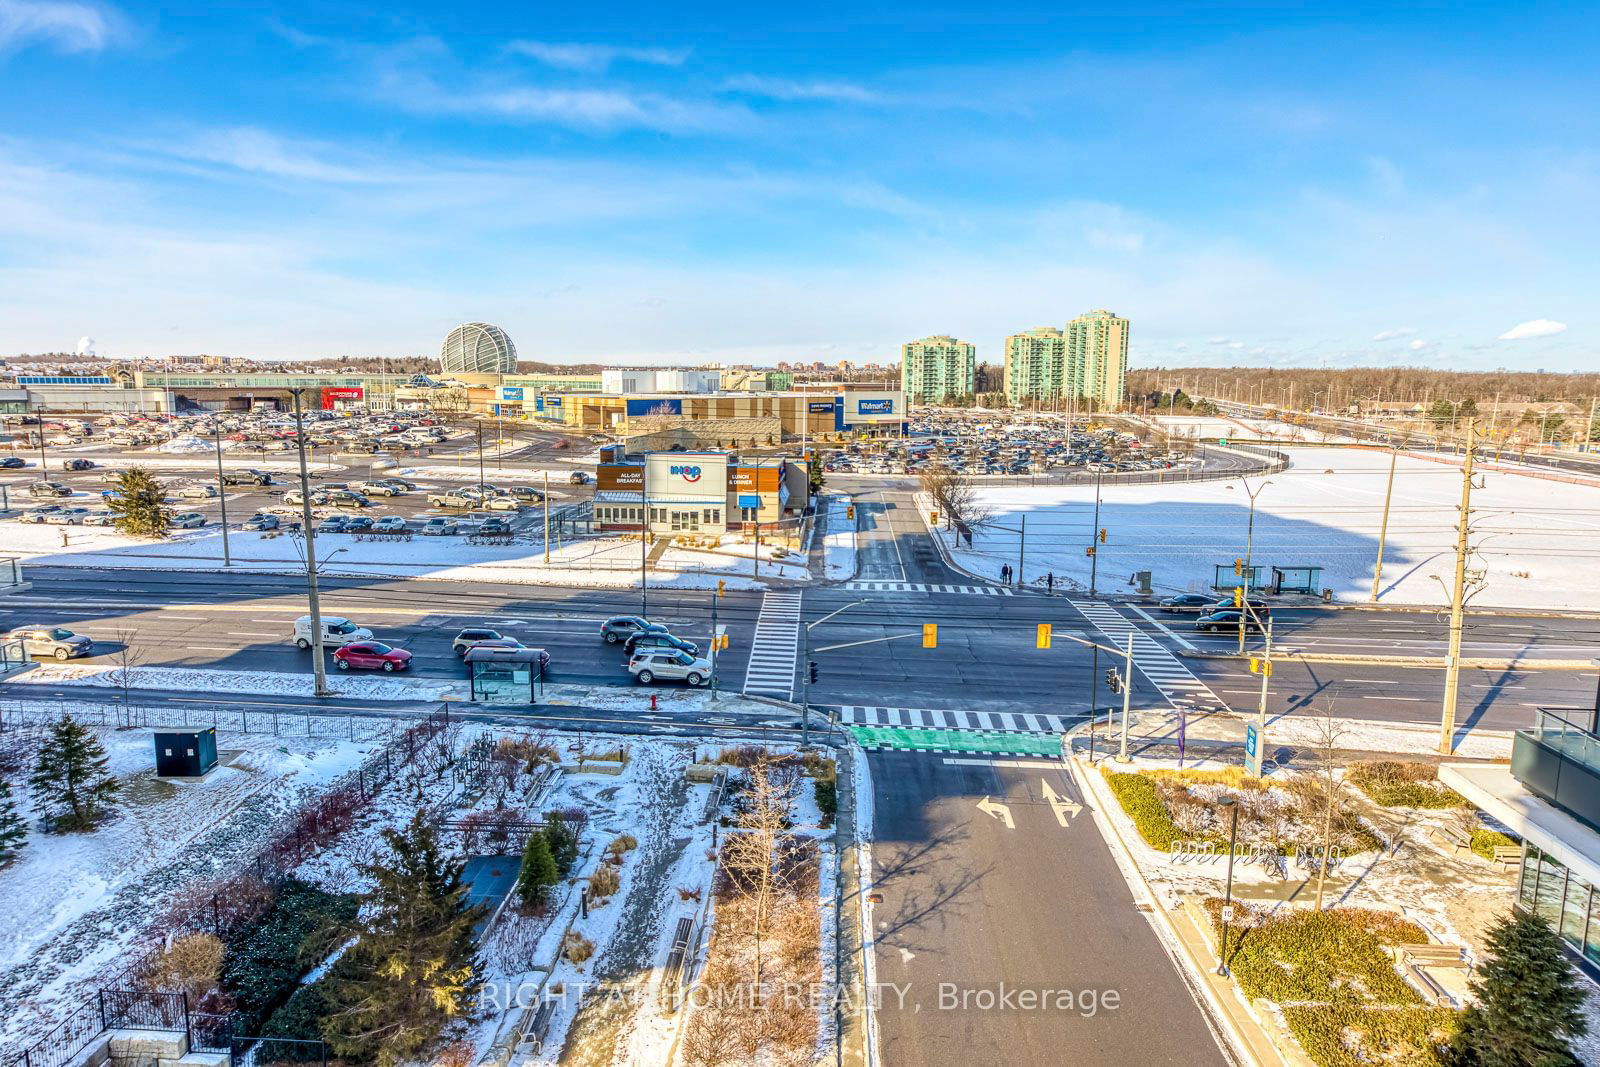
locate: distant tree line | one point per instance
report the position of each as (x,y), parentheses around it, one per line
(1300,387)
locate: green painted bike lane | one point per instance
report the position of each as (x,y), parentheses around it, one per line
(912,739)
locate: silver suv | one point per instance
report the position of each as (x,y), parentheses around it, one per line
(669,663)
(55,641)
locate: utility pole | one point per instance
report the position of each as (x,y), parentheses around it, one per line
(222,495)
(547,518)
(1022,546)
(1383,528)
(1094,536)
(1249,556)
(480,454)
(318,663)
(644,549)
(1127,696)
(1261,706)
(1458,596)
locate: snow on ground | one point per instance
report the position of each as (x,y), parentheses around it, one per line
(839,547)
(602,562)
(380,687)
(71,903)
(1533,535)
(668,698)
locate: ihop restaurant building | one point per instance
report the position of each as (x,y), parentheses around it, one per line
(698,492)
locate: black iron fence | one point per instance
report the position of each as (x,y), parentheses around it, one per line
(111,1009)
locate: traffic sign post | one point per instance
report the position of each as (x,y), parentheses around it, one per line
(1252,752)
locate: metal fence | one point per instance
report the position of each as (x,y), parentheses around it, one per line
(121,1009)
(1272,462)
(23,714)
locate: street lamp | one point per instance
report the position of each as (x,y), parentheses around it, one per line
(1249,553)
(1232,805)
(318,664)
(222,494)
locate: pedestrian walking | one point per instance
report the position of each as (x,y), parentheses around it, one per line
(1050,582)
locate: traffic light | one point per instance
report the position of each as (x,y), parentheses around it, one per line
(1238,596)
(933,518)
(722,586)
(850,512)
(1089,551)
(930,635)
(811,671)
(1113,680)
(1042,638)
(1238,566)
(1102,535)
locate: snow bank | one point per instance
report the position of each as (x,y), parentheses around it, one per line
(839,547)
(212,681)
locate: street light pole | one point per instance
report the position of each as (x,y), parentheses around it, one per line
(1227,894)
(1249,555)
(1261,706)
(1458,604)
(222,496)
(1383,528)
(318,664)
(1094,535)
(547,518)
(644,549)
(1127,696)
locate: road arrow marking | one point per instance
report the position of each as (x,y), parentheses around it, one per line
(1059,804)
(997,811)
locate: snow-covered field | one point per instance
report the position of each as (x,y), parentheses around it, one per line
(604,562)
(839,546)
(1534,538)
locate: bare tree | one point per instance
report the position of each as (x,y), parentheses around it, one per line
(1328,798)
(954,497)
(127,656)
(752,857)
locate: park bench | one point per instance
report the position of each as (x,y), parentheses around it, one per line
(1453,839)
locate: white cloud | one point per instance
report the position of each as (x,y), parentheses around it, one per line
(1418,345)
(69,27)
(1524,331)
(248,148)
(1393,335)
(789,89)
(596,57)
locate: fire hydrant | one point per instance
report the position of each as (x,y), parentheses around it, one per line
(652,702)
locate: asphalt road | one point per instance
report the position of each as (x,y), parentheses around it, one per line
(973,907)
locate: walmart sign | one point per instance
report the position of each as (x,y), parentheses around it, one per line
(875,407)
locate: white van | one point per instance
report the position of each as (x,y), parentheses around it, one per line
(336,631)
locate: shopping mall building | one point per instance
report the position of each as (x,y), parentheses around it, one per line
(706,492)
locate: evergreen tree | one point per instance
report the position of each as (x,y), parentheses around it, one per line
(13,833)
(140,504)
(1442,412)
(563,842)
(1529,1001)
(539,871)
(412,969)
(71,783)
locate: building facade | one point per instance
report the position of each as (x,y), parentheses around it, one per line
(1036,365)
(938,367)
(705,493)
(478,348)
(1097,358)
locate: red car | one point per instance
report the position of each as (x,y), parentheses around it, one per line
(371,655)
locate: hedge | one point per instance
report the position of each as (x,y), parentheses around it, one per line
(827,794)
(1347,1035)
(1334,956)
(1142,801)
(264,963)
(1394,784)
(1485,840)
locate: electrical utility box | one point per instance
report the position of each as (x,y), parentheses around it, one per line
(186,753)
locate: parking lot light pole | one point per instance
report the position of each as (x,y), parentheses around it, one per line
(1249,555)
(319,665)
(222,496)
(547,518)
(1232,805)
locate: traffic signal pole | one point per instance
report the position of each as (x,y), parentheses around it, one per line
(1127,695)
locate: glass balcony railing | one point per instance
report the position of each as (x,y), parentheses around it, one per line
(1558,759)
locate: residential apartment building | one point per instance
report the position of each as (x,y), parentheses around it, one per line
(1086,361)
(936,367)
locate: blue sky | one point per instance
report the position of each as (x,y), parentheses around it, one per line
(1272,184)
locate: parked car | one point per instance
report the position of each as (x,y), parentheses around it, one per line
(262,521)
(335,630)
(348,498)
(440,527)
(371,655)
(494,527)
(358,524)
(48,489)
(189,520)
(377,488)
(195,492)
(401,484)
(669,664)
(56,641)
(577,478)
(78,465)
(1226,621)
(100,518)
(34,515)
(658,639)
(622,627)
(13,462)
(454,499)
(318,497)
(67,516)
(246,477)
(1185,602)
(503,503)
(331,525)
(526,492)
(389,524)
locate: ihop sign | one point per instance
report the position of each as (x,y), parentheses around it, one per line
(689,472)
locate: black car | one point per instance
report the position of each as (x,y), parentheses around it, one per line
(1227,622)
(494,527)
(78,465)
(659,639)
(246,477)
(11,462)
(48,489)
(357,523)
(1186,602)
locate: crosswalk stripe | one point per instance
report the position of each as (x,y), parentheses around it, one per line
(1176,683)
(924,587)
(996,722)
(775,646)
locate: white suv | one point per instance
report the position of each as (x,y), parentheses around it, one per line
(669,663)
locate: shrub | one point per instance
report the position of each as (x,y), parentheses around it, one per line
(1397,784)
(265,961)
(1330,957)
(1485,840)
(623,843)
(539,871)
(1141,800)
(826,791)
(576,947)
(1348,1035)
(604,882)
(193,964)
(743,755)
